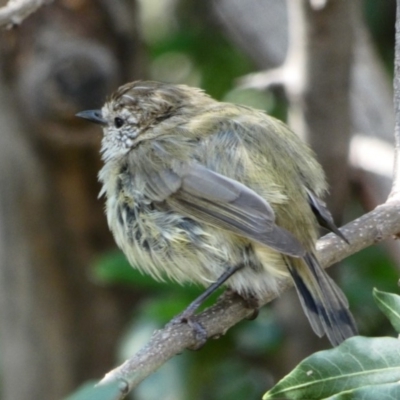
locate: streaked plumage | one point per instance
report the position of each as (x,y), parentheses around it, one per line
(195,186)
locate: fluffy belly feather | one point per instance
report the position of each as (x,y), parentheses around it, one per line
(166,244)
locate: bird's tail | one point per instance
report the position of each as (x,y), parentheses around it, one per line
(323,302)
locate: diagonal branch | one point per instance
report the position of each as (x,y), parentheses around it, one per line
(380,224)
(15,11)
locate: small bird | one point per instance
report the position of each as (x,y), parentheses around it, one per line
(214,193)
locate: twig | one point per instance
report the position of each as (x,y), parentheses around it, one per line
(15,11)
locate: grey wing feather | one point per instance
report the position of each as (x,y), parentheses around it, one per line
(223,202)
(202,182)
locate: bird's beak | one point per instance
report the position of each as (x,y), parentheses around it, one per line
(93,116)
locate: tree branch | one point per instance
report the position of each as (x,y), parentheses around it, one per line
(15,11)
(371,228)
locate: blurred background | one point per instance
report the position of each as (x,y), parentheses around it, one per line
(71,307)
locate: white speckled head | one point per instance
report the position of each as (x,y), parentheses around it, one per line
(138,106)
(120,131)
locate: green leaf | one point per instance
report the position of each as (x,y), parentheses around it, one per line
(386,391)
(389,304)
(90,392)
(356,363)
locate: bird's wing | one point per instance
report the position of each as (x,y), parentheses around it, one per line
(198,192)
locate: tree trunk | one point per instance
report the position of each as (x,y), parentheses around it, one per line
(57,328)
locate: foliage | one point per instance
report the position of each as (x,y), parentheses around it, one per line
(360,368)
(382,32)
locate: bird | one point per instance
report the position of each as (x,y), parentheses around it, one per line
(216,194)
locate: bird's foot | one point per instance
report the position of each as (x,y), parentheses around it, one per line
(199,332)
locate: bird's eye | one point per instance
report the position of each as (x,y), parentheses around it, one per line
(118,122)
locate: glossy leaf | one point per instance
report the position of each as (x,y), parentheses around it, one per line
(356,363)
(389,304)
(386,391)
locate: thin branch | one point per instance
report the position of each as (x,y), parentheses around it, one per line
(380,224)
(396,179)
(15,11)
